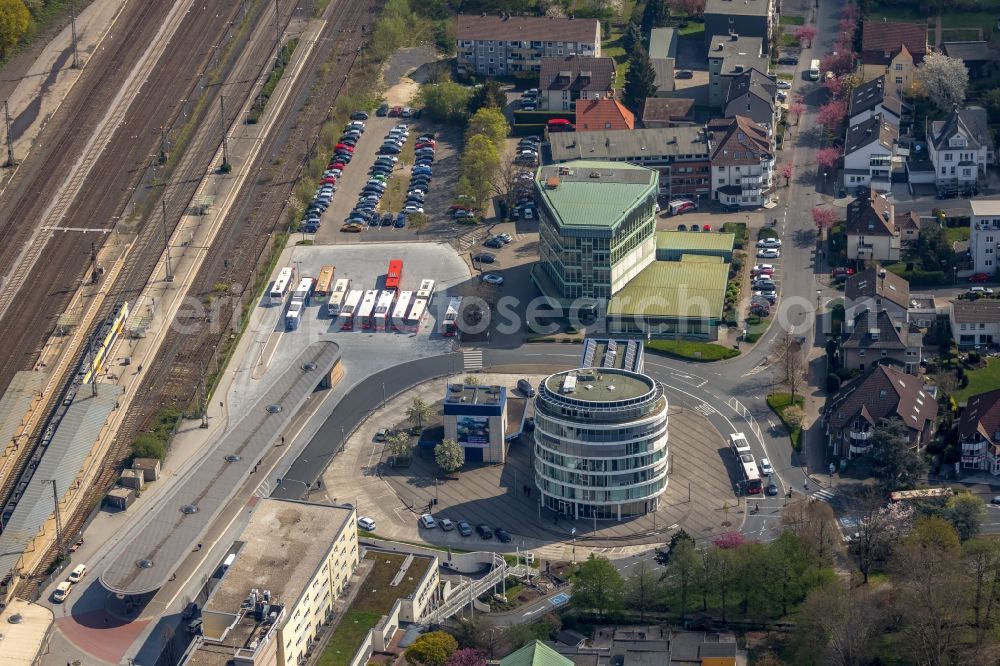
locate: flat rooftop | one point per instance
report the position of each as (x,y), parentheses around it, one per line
(600,385)
(476,394)
(283,546)
(985,206)
(617,354)
(684,241)
(22,641)
(674,289)
(588,193)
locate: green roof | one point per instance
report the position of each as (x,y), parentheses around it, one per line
(674,289)
(694,240)
(703,258)
(535,654)
(591,193)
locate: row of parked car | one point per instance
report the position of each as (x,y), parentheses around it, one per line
(764,289)
(528,151)
(485,532)
(342,155)
(421,174)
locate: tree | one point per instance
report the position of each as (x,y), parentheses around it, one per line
(840,62)
(490,95)
(834,86)
(693,8)
(840,624)
(432,649)
(720,568)
(148,445)
(897,466)
(796,109)
(805,34)
(786,172)
(793,415)
(419,413)
(878,526)
(823,218)
(768,659)
(655,15)
(642,591)
(599,586)
(639,81)
(990,100)
(831,115)
(491,123)
(683,572)
(965,512)
(467,657)
(663,555)
(729,540)
(982,569)
(449,456)
(480,162)
(398,444)
(944,80)
(504,183)
(14,22)
(814,524)
(788,559)
(471,380)
(445,102)
(827,158)
(472,633)
(631,38)
(792,367)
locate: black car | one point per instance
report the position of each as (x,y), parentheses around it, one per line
(495,243)
(529,424)
(388,219)
(502,534)
(731,208)
(359,115)
(772,488)
(382,111)
(485,531)
(484,258)
(788,60)
(400,221)
(684,74)
(525,387)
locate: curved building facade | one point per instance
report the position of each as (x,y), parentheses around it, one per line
(600,443)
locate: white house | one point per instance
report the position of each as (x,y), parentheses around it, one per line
(871,229)
(873,98)
(742,161)
(975,323)
(979,432)
(984,235)
(960,147)
(869,149)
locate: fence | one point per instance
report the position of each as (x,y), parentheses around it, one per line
(742,411)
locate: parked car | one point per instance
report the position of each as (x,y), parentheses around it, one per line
(784,85)
(769,242)
(446,524)
(502,534)
(979,277)
(484,258)
(62,591)
(485,531)
(359,115)
(770,296)
(463,528)
(768,253)
(494,243)
(842,272)
(683,74)
(762,268)
(788,60)
(427,521)
(980,291)
(366,523)
(382,111)
(525,387)
(492,278)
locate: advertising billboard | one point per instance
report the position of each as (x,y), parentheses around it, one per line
(474,431)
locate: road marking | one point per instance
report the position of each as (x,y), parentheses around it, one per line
(559,599)
(824,495)
(693,380)
(473,359)
(705,409)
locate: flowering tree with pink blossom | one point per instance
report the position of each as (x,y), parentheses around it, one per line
(786,172)
(689,7)
(805,34)
(835,86)
(823,218)
(828,157)
(729,540)
(467,657)
(795,110)
(838,62)
(831,115)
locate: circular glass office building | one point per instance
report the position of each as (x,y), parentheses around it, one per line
(600,443)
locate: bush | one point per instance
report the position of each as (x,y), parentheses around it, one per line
(692,350)
(832,383)
(789,412)
(148,445)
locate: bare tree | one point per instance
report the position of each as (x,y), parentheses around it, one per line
(879,526)
(642,589)
(814,523)
(792,365)
(504,182)
(840,624)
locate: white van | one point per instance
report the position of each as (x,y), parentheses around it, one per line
(78,573)
(62,591)
(228,562)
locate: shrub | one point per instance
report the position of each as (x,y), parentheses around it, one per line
(832,383)
(148,445)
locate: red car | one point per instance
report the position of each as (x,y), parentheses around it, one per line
(344,146)
(395,111)
(338,165)
(979,277)
(426,144)
(842,272)
(329,180)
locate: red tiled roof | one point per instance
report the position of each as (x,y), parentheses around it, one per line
(603,114)
(879,39)
(527,28)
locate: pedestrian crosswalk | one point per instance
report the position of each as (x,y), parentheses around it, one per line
(824,495)
(472,359)
(468,240)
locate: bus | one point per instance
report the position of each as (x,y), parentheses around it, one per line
(303,291)
(751,475)
(398,321)
(383,310)
(293,315)
(324,283)
(426,289)
(416,314)
(394,275)
(449,323)
(337,296)
(364,313)
(282,283)
(814,70)
(739,443)
(345,318)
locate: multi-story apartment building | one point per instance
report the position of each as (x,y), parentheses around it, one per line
(500,45)
(975,323)
(979,432)
(732,55)
(869,151)
(742,161)
(875,97)
(747,18)
(984,235)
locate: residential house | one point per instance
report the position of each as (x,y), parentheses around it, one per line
(893,50)
(662,57)
(603,114)
(679,154)
(923,311)
(731,55)
(975,323)
(869,150)
(960,147)
(876,290)
(502,44)
(742,161)
(871,230)
(749,18)
(874,97)
(563,81)
(908,226)
(876,338)
(663,77)
(751,95)
(659,112)
(979,432)
(984,235)
(883,392)
(978,57)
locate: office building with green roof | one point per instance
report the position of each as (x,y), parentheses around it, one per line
(597,228)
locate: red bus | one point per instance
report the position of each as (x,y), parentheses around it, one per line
(751,475)
(394,275)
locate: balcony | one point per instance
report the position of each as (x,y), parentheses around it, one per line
(861,435)
(973,448)
(858,450)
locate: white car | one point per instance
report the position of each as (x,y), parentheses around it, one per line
(765,467)
(492,278)
(366,524)
(409,210)
(62,591)
(446,525)
(768,253)
(427,521)
(784,85)
(769,242)
(980,291)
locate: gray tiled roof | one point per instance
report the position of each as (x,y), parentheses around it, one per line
(883,393)
(868,131)
(971,122)
(654,143)
(738,7)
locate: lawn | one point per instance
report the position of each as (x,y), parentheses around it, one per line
(694,29)
(351,631)
(612,48)
(786,77)
(956,234)
(986,378)
(692,350)
(986,21)
(892,13)
(792,20)
(788,41)
(779,402)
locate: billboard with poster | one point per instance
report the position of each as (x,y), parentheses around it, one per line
(473,431)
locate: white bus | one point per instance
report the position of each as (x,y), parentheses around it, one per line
(399,312)
(345,318)
(367,307)
(814,70)
(303,291)
(449,324)
(416,313)
(739,443)
(293,315)
(383,310)
(426,289)
(337,296)
(282,283)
